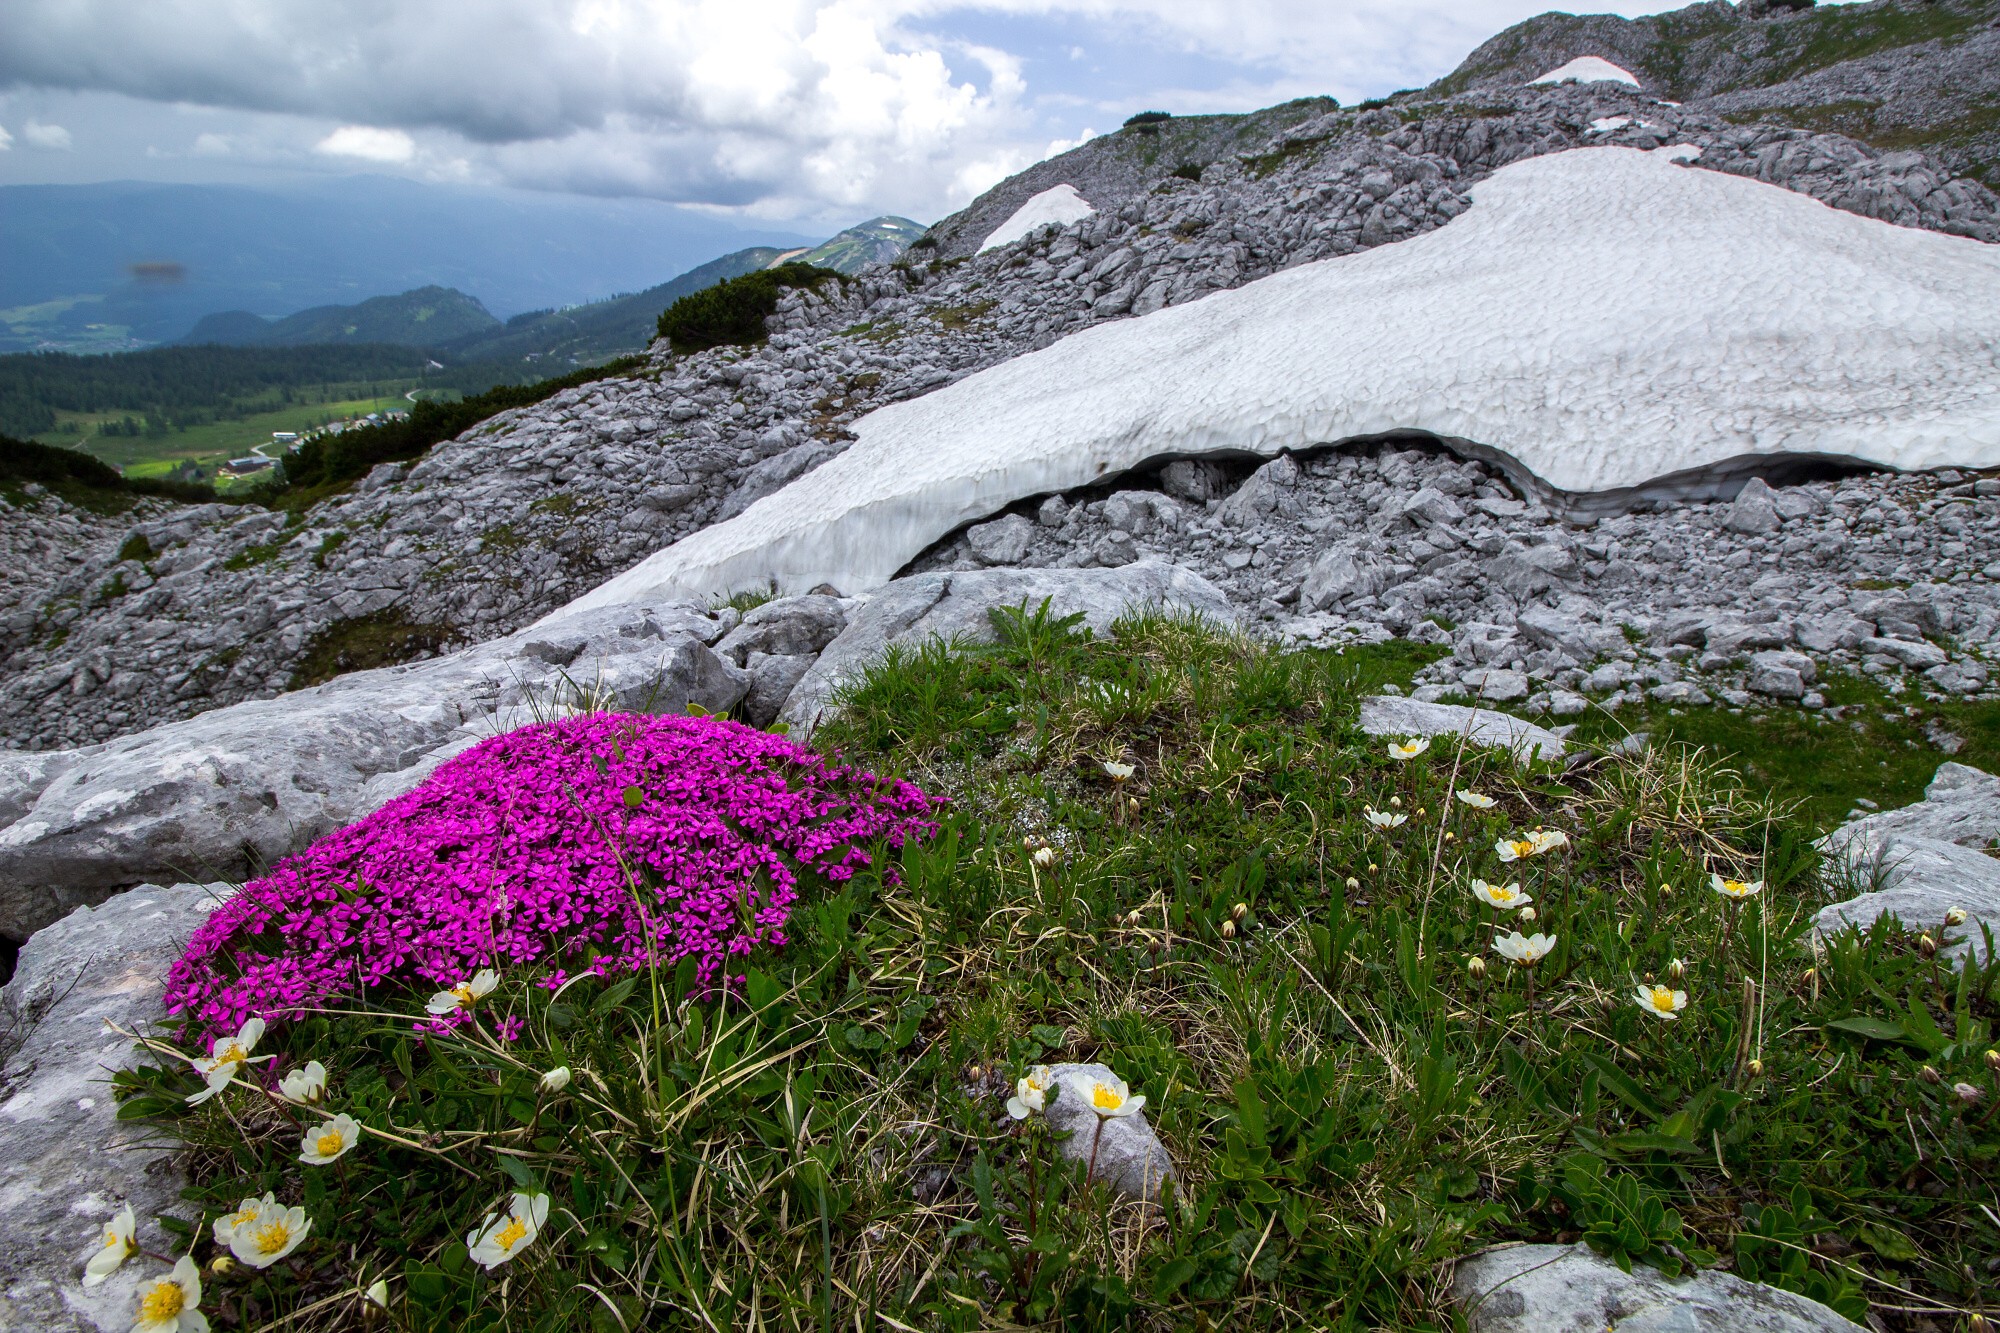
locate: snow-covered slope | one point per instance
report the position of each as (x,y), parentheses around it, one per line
(1059,205)
(1588,69)
(1601,318)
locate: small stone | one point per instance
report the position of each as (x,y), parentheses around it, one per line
(1130,1157)
(1754,512)
(1004,541)
(1496,683)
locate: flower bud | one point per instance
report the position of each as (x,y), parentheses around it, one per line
(1930,1076)
(1395,803)
(1422,810)
(1475,967)
(1353,883)
(974,1073)
(1926,945)
(1756,1068)
(1449,836)
(1045,857)
(1238,912)
(1372,867)
(1978,1323)
(1955,917)
(1229,930)
(1993,1061)
(377,1296)
(1646,977)
(1677,970)
(1967,1093)
(556,1079)
(1527,914)
(221,1264)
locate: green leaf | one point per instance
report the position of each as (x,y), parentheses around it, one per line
(144,1108)
(1173,1275)
(518,1172)
(1875,1029)
(634,797)
(1623,1086)
(1888,1242)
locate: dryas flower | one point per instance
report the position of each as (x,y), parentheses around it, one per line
(1528,913)
(306,1085)
(116,1249)
(1044,857)
(465,994)
(1031,1093)
(556,1079)
(269,1236)
(331,1141)
(1547,839)
(501,1236)
(247,1211)
(1382,818)
(169,1304)
(1477,800)
(1410,748)
(1514,849)
(1676,969)
(1735,889)
(1506,897)
(226,1056)
(1954,916)
(1109,1097)
(1662,1001)
(1524,950)
(1967,1092)
(1116,771)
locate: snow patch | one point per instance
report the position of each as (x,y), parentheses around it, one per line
(1606,124)
(1587,69)
(1058,206)
(1599,319)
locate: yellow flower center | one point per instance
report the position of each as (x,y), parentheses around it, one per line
(462,992)
(329,1143)
(1663,999)
(112,1239)
(1522,848)
(509,1236)
(1503,895)
(232,1054)
(270,1239)
(242,1216)
(163,1302)
(1735,888)
(1105,1099)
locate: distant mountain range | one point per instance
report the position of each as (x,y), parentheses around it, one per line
(453,323)
(128,264)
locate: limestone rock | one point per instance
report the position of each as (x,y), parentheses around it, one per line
(1342,572)
(248,784)
(1928,859)
(1755,511)
(1390,715)
(956,605)
(786,626)
(1001,542)
(66,1162)
(1130,1156)
(1568,1289)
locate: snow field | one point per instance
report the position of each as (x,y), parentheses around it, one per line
(1059,205)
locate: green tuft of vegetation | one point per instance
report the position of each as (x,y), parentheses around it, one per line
(136,547)
(263,553)
(1147,122)
(1350,1102)
(1187,171)
(732,312)
(362,643)
(956,317)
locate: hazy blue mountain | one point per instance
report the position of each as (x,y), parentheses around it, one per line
(426,317)
(124,264)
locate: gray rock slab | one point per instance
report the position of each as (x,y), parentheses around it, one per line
(1130,1156)
(66,1162)
(1568,1289)
(1004,541)
(1390,715)
(216,795)
(954,606)
(1961,805)
(1925,860)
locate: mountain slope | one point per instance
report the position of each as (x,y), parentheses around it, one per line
(426,317)
(1893,73)
(876,241)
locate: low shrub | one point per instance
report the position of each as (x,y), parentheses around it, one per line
(597,843)
(1148,122)
(733,311)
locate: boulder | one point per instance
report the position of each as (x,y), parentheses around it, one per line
(1548,627)
(1004,541)
(1569,1289)
(1343,572)
(1755,511)
(1268,494)
(1779,675)
(1916,653)
(1496,683)
(1392,715)
(1926,858)
(1130,1156)
(772,679)
(955,605)
(1531,570)
(1195,480)
(229,790)
(786,626)
(67,1163)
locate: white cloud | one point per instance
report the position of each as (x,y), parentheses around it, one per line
(1057,147)
(212,145)
(369,143)
(6,139)
(49,138)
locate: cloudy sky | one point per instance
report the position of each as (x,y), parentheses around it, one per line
(793,110)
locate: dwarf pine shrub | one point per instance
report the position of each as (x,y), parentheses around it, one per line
(733,311)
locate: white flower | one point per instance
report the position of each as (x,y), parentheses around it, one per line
(556,1079)
(168,1305)
(271,1235)
(116,1249)
(1506,897)
(304,1085)
(331,1141)
(1736,889)
(465,994)
(1548,839)
(1118,772)
(1031,1094)
(225,1226)
(1108,1097)
(1045,857)
(1410,748)
(1383,818)
(1514,849)
(503,1235)
(1662,1001)
(226,1056)
(1477,800)
(1524,950)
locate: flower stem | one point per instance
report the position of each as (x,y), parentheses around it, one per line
(1091,1174)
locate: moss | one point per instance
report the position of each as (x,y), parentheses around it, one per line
(962,316)
(327,546)
(362,643)
(136,547)
(260,554)
(563,504)
(501,540)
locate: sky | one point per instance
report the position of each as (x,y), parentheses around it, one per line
(768,111)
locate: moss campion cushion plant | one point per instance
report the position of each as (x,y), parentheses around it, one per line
(604,841)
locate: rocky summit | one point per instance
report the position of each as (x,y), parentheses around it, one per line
(1264,691)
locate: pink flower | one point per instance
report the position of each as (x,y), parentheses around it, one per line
(568,845)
